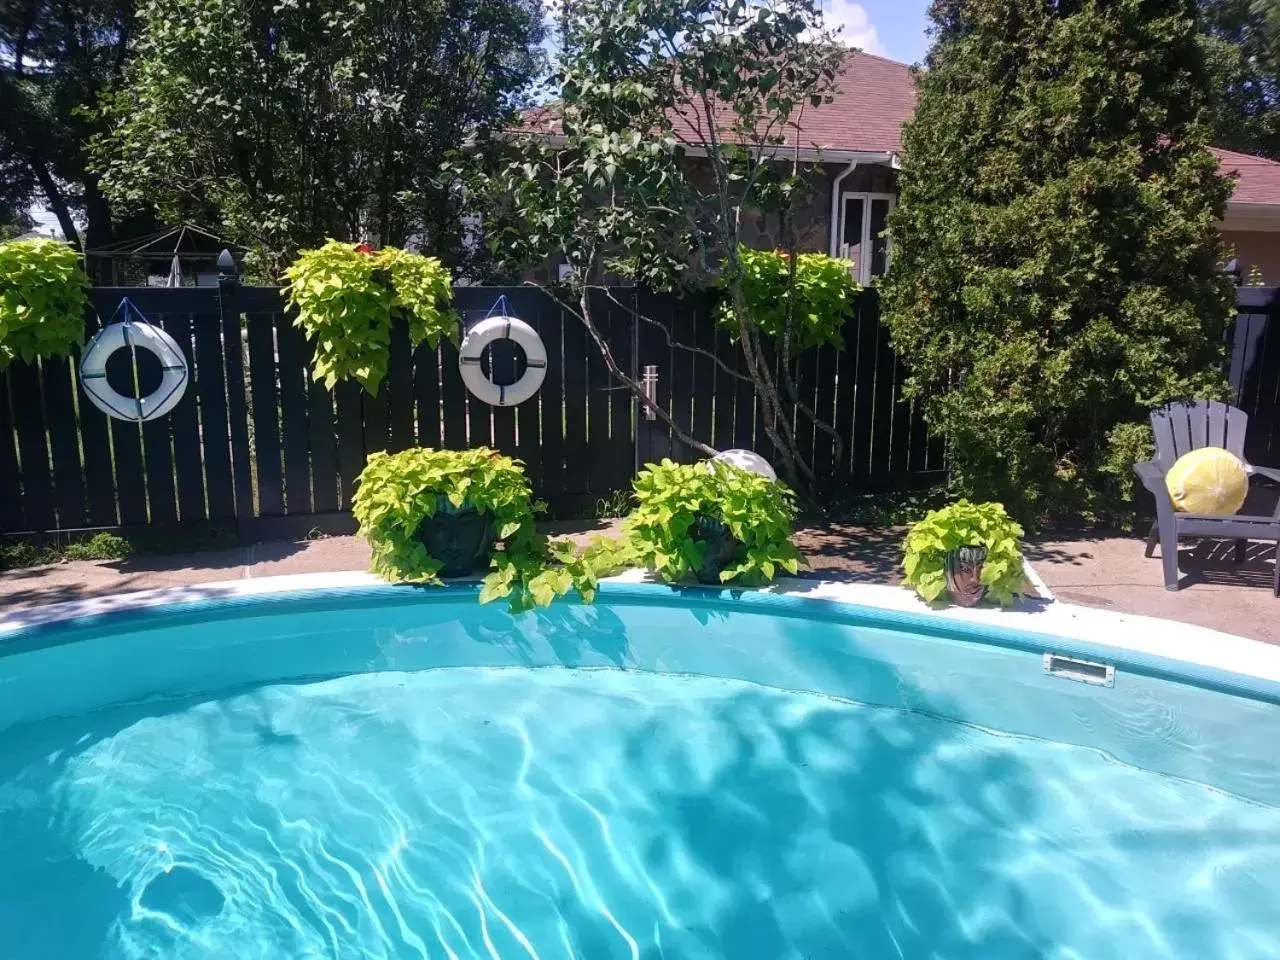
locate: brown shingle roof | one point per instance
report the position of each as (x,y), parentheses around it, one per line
(1258,179)
(877,96)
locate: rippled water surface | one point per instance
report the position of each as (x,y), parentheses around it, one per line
(515,813)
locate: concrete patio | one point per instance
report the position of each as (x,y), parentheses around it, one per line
(1106,572)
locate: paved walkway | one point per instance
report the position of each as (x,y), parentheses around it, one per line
(1109,572)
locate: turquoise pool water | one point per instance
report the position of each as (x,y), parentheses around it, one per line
(405,774)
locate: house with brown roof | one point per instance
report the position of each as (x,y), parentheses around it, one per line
(859,138)
(856,141)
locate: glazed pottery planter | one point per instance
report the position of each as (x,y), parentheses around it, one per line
(461,538)
(721,546)
(964,573)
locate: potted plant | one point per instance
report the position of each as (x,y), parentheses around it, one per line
(430,515)
(712,522)
(433,514)
(968,551)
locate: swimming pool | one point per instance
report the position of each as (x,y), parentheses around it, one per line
(391,772)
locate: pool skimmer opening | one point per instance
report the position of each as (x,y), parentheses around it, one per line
(1083,671)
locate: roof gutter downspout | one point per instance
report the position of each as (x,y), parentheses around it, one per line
(834,245)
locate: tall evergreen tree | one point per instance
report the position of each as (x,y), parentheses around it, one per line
(1055,273)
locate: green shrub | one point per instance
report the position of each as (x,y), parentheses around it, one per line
(347,299)
(100,546)
(758,512)
(965,524)
(397,492)
(822,296)
(1055,250)
(42,299)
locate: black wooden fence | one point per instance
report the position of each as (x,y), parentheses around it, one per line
(1255,371)
(255,443)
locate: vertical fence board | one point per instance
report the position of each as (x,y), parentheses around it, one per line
(864,396)
(64,442)
(653,437)
(806,382)
(347,395)
(759,437)
(846,387)
(621,458)
(480,417)
(188,464)
(373,411)
(11,518)
(528,415)
(576,476)
(294,404)
(28,417)
(453,396)
(744,404)
(882,418)
(598,383)
(551,398)
(682,325)
(704,375)
(828,364)
(265,406)
(233,345)
(725,387)
(400,390)
(901,430)
(426,389)
(131,484)
(157,463)
(215,424)
(323,431)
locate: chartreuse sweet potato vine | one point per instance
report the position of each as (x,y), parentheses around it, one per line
(758,512)
(42,296)
(820,301)
(397,492)
(346,299)
(965,524)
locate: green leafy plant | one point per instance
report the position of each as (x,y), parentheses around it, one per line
(1055,244)
(347,296)
(965,524)
(820,300)
(397,492)
(42,298)
(756,511)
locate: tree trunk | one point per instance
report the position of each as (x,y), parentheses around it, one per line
(57,203)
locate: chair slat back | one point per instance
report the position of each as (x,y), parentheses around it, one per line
(1182,427)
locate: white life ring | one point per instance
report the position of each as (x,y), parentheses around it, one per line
(136,336)
(502,328)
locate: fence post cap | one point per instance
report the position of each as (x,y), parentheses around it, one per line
(227,269)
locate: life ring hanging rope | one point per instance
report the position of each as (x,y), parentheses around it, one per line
(489,330)
(134,335)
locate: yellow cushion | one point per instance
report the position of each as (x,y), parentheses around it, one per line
(1209,480)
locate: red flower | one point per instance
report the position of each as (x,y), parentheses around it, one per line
(363,248)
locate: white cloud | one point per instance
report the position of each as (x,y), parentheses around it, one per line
(856,28)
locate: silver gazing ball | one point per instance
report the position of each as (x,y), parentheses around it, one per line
(747,460)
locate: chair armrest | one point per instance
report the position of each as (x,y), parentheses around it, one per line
(1269,473)
(1152,476)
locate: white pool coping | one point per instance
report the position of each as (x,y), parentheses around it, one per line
(1152,636)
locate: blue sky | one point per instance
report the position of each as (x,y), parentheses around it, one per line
(891,28)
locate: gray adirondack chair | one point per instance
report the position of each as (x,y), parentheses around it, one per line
(1180,428)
